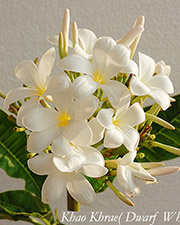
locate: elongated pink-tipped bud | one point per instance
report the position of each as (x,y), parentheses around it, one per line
(131,35)
(139,22)
(163,170)
(74,34)
(65,29)
(152,165)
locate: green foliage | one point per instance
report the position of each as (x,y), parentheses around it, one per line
(13,155)
(163,135)
(20,205)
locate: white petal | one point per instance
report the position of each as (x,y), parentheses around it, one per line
(101,48)
(121,176)
(53,39)
(41,164)
(113,138)
(141,173)
(57,83)
(83,86)
(53,187)
(104,117)
(46,64)
(133,116)
(39,119)
(127,181)
(61,146)
(131,188)
(146,66)
(161,97)
(97,130)
(18,94)
(76,160)
(78,50)
(76,63)
(25,108)
(77,132)
(163,170)
(162,82)
(84,108)
(131,137)
(162,68)
(93,170)
(38,141)
(60,164)
(110,58)
(27,72)
(116,92)
(131,67)
(80,189)
(93,156)
(127,158)
(62,100)
(137,87)
(87,39)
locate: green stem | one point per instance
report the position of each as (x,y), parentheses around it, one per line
(72,204)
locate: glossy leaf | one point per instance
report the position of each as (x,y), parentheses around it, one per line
(20,205)
(13,156)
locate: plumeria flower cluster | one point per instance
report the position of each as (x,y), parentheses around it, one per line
(94,102)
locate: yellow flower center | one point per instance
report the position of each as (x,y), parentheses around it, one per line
(63,119)
(116,122)
(98,78)
(41,90)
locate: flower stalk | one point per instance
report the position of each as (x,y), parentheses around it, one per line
(72,204)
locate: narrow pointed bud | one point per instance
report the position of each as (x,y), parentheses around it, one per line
(168,148)
(172,99)
(65,30)
(61,46)
(2,95)
(163,170)
(152,165)
(74,34)
(119,194)
(139,22)
(159,121)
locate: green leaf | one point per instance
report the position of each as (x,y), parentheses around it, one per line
(164,135)
(20,204)
(13,155)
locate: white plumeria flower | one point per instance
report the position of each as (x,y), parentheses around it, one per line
(128,171)
(61,175)
(146,83)
(39,83)
(67,123)
(108,60)
(162,68)
(118,128)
